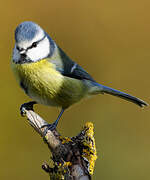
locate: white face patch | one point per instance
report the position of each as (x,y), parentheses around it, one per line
(26,44)
(34,54)
(41,51)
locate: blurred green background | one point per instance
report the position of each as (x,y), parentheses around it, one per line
(111,40)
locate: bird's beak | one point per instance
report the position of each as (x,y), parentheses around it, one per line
(23,51)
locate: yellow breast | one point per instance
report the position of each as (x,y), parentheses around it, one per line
(46,85)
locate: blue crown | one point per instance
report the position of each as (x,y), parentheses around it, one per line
(26,31)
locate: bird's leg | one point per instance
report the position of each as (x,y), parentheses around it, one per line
(27,106)
(53,125)
(59,116)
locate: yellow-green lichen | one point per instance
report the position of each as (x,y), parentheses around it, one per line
(58,175)
(67,164)
(65,139)
(62,169)
(89,152)
(46,137)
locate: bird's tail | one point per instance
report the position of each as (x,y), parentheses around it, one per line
(104,89)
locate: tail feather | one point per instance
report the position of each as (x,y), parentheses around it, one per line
(114,92)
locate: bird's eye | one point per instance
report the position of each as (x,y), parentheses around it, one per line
(34,45)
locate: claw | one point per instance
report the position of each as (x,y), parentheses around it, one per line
(22,111)
(50,127)
(26,106)
(53,126)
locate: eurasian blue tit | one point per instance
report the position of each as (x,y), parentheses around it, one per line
(49,76)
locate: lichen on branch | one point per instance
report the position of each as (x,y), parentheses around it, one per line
(72,157)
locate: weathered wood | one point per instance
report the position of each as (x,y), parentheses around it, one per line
(73,158)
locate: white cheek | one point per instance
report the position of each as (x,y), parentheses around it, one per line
(41,51)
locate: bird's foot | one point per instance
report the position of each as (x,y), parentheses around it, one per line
(26,106)
(50,127)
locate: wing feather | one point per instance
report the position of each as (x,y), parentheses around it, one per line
(67,67)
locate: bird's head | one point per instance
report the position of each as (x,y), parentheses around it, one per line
(32,43)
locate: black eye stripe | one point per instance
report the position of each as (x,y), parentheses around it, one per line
(34,44)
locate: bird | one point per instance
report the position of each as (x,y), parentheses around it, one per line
(49,76)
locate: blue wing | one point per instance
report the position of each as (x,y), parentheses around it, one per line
(69,68)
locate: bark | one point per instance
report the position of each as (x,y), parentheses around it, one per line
(73,157)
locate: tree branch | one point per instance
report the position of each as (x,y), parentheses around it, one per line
(73,158)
